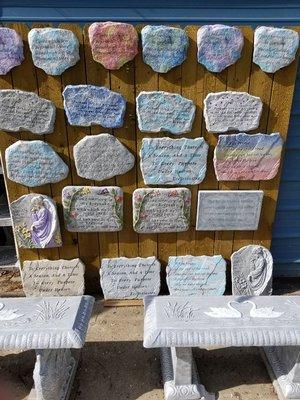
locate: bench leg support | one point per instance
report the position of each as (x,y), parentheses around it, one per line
(180,377)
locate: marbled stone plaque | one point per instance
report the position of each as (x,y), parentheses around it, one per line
(87,105)
(35,222)
(252,271)
(196,276)
(11,50)
(163,111)
(53,49)
(161,210)
(113,43)
(53,278)
(164,47)
(274,48)
(243,157)
(129,278)
(232,111)
(93,208)
(166,161)
(34,163)
(100,157)
(25,111)
(228,210)
(219,46)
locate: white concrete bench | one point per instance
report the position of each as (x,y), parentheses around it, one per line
(176,324)
(51,326)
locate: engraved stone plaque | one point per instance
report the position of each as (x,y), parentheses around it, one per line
(228,210)
(232,111)
(166,161)
(11,50)
(194,276)
(129,278)
(161,210)
(93,208)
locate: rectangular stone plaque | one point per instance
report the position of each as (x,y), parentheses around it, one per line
(228,210)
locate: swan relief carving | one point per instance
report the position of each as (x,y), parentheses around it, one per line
(8,315)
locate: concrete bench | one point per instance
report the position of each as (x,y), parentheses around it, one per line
(51,326)
(176,324)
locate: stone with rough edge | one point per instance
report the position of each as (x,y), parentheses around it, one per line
(252,271)
(129,278)
(161,210)
(164,47)
(247,157)
(53,49)
(53,277)
(100,157)
(26,111)
(87,105)
(113,44)
(232,111)
(274,48)
(162,111)
(166,161)
(35,221)
(11,50)
(219,46)
(195,276)
(34,163)
(93,208)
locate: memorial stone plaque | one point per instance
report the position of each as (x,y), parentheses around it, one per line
(11,50)
(252,271)
(35,222)
(87,105)
(168,161)
(243,157)
(113,43)
(25,111)
(130,278)
(194,276)
(34,163)
(228,210)
(93,208)
(163,111)
(100,157)
(232,111)
(53,278)
(274,48)
(161,210)
(53,49)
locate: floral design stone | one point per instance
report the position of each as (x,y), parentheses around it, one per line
(113,44)
(164,47)
(11,50)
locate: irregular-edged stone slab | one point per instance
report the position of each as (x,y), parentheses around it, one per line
(252,271)
(93,208)
(113,43)
(164,47)
(243,157)
(195,276)
(53,278)
(162,111)
(166,161)
(274,48)
(228,210)
(129,278)
(35,221)
(26,111)
(87,105)
(53,49)
(11,50)
(100,157)
(161,210)
(219,46)
(232,111)
(34,163)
